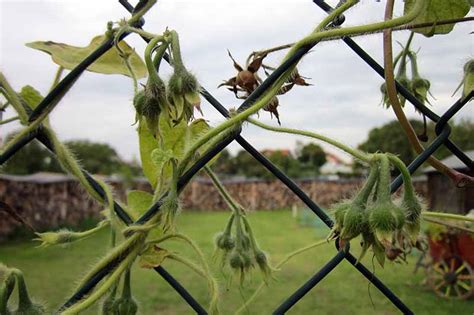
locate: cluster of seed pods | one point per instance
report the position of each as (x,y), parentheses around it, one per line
(176,99)
(390,228)
(236,246)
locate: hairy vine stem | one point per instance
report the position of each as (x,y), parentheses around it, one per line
(288,257)
(231,203)
(8,120)
(455,176)
(443,215)
(354,152)
(108,283)
(318,34)
(394,29)
(212,283)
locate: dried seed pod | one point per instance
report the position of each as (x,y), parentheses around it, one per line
(272,107)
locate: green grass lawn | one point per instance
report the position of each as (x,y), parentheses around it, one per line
(51,273)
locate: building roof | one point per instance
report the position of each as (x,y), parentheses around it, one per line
(40,178)
(453,162)
(49,178)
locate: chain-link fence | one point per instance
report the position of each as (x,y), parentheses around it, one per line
(442,131)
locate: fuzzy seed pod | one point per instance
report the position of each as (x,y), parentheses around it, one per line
(225,242)
(247,260)
(383,221)
(108,305)
(420,88)
(339,211)
(353,223)
(355,218)
(228,243)
(262,261)
(384,214)
(405,82)
(154,103)
(126,304)
(139,102)
(7,284)
(236,261)
(25,305)
(183,94)
(410,203)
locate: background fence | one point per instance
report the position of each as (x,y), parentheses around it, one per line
(442,130)
(49,201)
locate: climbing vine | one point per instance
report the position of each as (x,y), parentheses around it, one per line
(172,140)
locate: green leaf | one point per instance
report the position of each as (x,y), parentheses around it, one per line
(468,81)
(147,144)
(138,202)
(176,139)
(379,253)
(109,63)
(152,257)
(31,96)
(438,10)
(160,157)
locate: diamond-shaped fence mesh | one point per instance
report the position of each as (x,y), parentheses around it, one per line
(442,131)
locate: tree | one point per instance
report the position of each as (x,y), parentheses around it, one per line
(96,158)
(311,155)
(391,138)
(462,134)
(224,163)
(32,158)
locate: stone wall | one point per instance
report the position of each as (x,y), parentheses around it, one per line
(49,201)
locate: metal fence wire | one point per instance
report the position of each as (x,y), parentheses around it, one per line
(442,131)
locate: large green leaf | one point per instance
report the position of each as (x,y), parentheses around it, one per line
(438,10)
(31,96)
(138,202)
(147,143)
(109,63)
(176,138)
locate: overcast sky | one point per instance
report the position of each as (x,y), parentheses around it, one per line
(343,103)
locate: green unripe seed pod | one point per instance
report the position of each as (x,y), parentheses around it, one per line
(353,223)
(25,305)
(383,221)
(126,304)
(246,260)
(229,243)
(236,261)
(108,305)
(139,102)
(339,211)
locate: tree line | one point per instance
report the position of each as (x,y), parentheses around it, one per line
(305,161)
